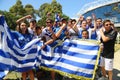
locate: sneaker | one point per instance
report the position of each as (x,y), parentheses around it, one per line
(103,78)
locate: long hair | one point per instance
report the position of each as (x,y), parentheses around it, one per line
(19,29)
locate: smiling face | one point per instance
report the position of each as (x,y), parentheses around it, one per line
(32,24)
(84,24)
(107,25)
(99,22)
(23,27)
(49,23)
(85,34)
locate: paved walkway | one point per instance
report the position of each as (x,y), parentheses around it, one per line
(116,71)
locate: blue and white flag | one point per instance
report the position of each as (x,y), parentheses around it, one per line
(57,17)
(13,57)
(73,58)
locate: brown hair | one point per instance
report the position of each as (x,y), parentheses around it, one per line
(106,21)
(19,29)
(48,19)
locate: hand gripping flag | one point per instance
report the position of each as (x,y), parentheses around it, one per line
(73,58)
(13,57)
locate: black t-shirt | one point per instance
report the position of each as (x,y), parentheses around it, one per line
(108,50)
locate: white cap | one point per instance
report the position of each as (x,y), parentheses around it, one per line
(89,17)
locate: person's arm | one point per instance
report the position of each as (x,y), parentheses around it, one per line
(60,30)
(104,38)
(51,40)
(47,43)
(113,26)
(75,25)
(23,18)
(54,36)
(95,23)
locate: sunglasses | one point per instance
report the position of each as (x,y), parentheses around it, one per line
(23,25)
(48,22)
(108,24)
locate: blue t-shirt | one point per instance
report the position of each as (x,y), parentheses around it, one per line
(62,35)
(22,38)
(27,38)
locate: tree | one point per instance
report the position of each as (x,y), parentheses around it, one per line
(10,19)
(47,10)
(17,9)
(29,10)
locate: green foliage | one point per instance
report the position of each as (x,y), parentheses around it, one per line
(29,10)
(41,22)
(17,9)
(46,10)
(10,19)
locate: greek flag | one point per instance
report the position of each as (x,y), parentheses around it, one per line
(57,17)
(13,57)
(73,58)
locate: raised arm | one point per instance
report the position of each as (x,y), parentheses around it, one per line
(104,38)
(51,40)
(60,30)
(75,25)
(95,23)
(23,18)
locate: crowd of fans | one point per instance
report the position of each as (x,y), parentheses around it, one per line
(83,28)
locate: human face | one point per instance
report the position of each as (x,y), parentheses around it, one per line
(89,21)
(107,26)
(32,24)
(49,23)
(38,31)
(99,22)
(23,27)
(84,35)
(73,23)
(69,23)
(84,24)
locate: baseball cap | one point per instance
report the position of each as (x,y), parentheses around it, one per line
(32,20)
(89,17)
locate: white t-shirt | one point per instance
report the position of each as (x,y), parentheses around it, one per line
(46,34)
(30,30)
(72,33)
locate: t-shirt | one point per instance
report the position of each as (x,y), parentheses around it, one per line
(30,31)
(47,34)
(62,35)
(108,50)
(22,38)
(80,32)
(72,34)
(92,34)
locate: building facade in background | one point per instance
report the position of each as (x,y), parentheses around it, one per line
(105,9)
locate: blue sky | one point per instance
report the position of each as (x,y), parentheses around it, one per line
(69,7)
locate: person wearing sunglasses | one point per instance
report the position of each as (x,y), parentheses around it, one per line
(108,37)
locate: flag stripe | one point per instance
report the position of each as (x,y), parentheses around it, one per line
(73,57)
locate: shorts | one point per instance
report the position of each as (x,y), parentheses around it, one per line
(107,63)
